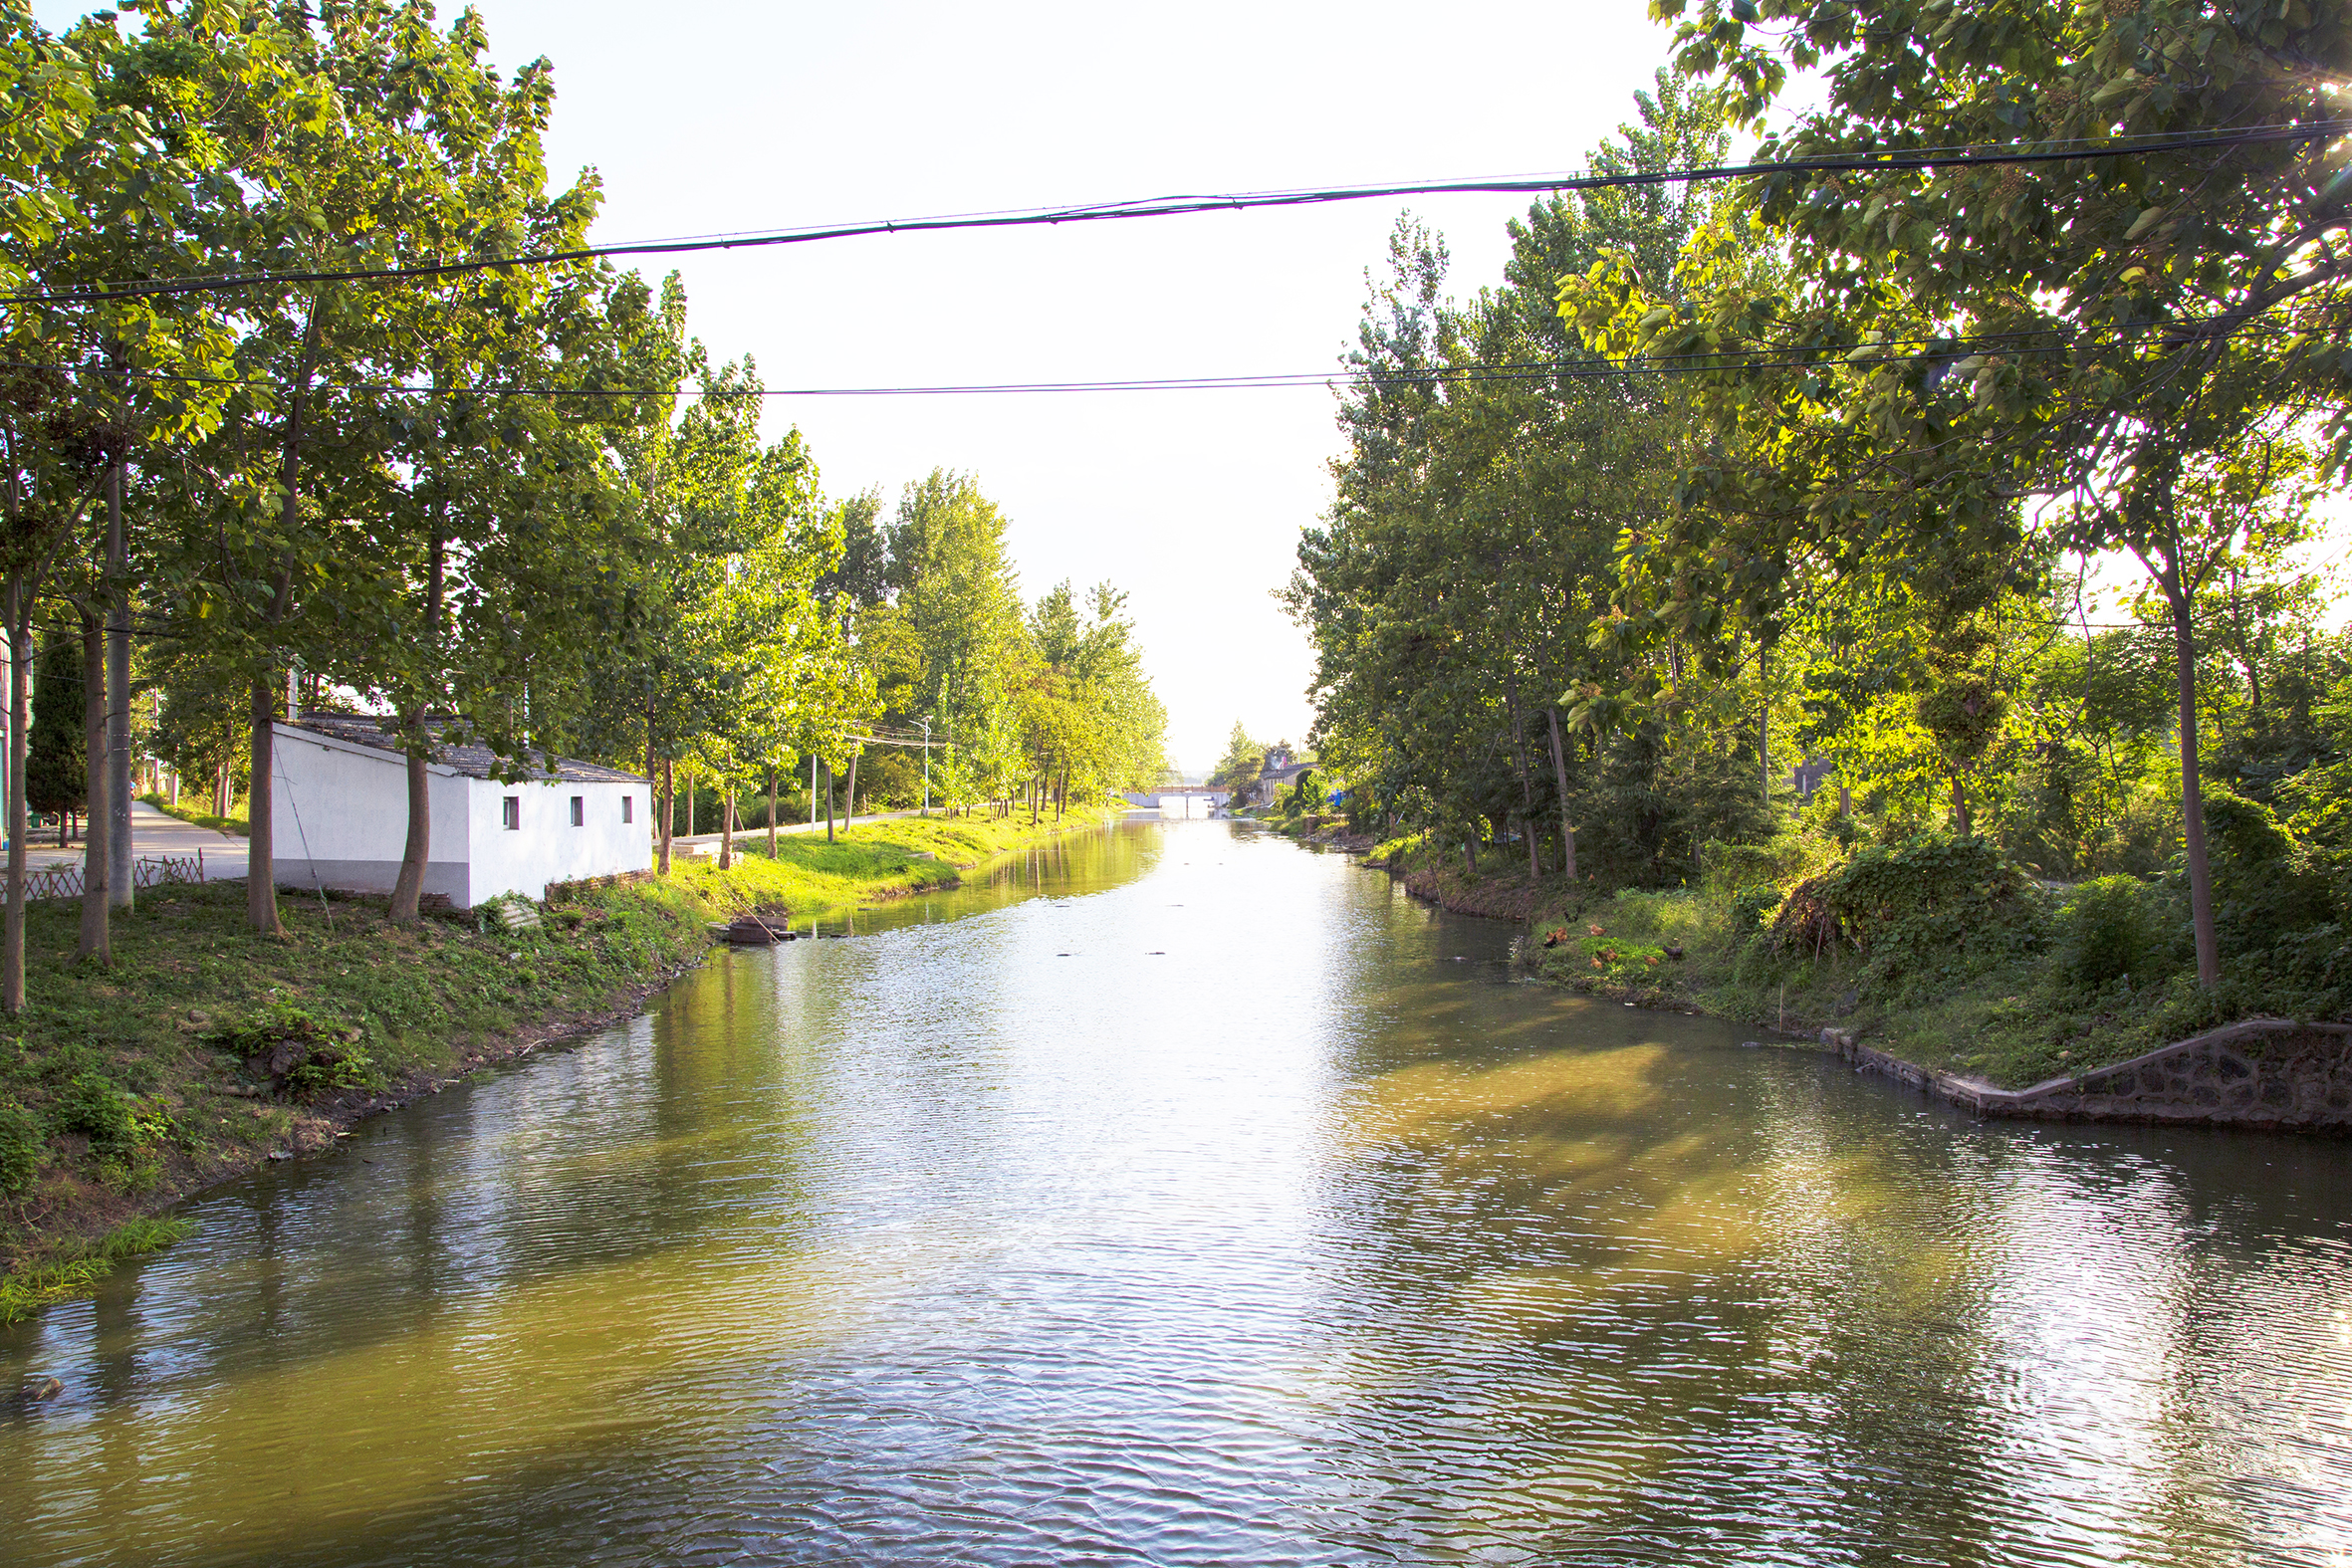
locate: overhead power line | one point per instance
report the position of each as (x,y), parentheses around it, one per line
(1944,349)
(1892,161)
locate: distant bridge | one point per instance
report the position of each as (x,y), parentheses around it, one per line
(1180,799)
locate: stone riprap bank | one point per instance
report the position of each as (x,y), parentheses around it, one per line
(2266,1073)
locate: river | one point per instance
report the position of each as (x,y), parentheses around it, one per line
(1183,1196)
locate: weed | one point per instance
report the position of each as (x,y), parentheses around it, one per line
(70,1270)
(24,1144)
(94,1106)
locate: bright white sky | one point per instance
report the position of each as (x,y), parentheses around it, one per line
(711,115)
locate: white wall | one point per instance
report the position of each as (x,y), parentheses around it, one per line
(339,818)
(340,815)
(547,848)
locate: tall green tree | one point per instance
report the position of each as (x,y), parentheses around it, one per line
(1952,341)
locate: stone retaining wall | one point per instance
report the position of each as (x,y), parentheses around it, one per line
(2269,1073)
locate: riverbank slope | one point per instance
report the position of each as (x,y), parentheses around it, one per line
(1964,981)
(206,1048)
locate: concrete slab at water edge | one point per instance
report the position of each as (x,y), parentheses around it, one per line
(2262,1073)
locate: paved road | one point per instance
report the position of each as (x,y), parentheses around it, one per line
(153,832)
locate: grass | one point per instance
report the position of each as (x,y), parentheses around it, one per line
(2000,1011)
(124,1087)
(72,1266)
(810,876)
(189,813)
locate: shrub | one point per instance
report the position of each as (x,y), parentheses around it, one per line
(1742,867)
(1808,921)
(1748,907)
(23,1142)
(95,1106)
(334,1064)
(2113,927)
(1936,902)
(2261,889)
(302,1051)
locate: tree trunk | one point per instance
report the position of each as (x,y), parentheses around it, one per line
(828,803)
(1519,763)
(771,811)
(260,869)
(664,816)
(261,881)
(20,651)
(122,878)
(1764,723)
(1559,770)
(416,854)
(97,771)
(727,828)
(652,764)
(1960,809)
(2200,874)
(850,815)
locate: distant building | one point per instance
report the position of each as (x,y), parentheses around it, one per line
(1810,775)
(340,815)
(1279,772)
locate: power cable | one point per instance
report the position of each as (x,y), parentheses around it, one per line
(1892,161)
(2030,341)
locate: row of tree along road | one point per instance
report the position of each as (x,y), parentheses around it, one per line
(522,499)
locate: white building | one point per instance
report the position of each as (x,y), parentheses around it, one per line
(340,815)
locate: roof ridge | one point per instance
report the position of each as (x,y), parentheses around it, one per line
(473,759)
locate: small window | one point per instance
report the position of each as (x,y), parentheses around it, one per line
(514,814)
(578,812)
(628,807)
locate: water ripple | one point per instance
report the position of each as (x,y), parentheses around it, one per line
(1256,1231)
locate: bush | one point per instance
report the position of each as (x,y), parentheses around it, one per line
(95,1106)
(1748,907)
(1936,903)
(2113,927)
(23,1143)
(334,1064)
(2261,889)
(1740,868)
(302,1051)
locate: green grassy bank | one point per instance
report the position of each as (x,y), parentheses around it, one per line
(204,1049)
(1936,950)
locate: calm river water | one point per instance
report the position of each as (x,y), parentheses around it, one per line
(1184,1197)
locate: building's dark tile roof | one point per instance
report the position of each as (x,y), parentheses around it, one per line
(472,760)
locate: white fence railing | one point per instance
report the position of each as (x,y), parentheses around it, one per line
(64,881)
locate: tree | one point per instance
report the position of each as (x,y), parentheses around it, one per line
(1238,767)
(57,776)
(1952,341)
(1450,590)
